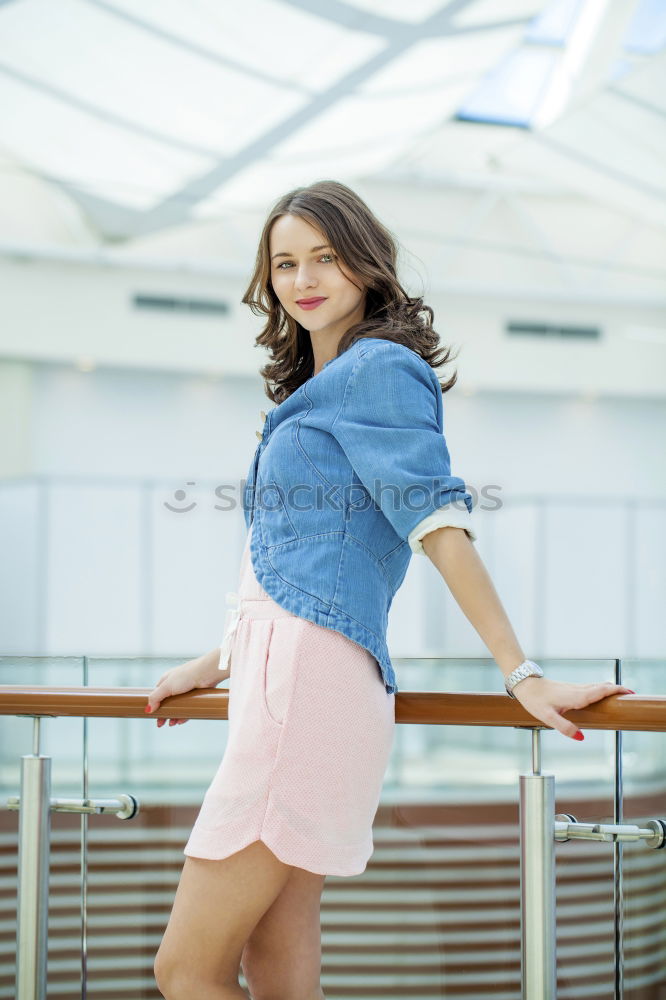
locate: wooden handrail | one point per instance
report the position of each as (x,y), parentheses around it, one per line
(630,712)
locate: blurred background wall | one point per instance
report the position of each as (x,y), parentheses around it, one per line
(516,150)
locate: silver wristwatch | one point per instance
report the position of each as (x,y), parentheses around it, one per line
(528,668)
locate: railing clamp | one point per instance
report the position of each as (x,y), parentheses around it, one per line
(124,807)
(568,828)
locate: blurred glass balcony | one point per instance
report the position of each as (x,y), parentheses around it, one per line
(437,913)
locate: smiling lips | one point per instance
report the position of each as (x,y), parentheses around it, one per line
(310,303)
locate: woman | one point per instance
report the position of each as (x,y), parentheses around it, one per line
(350,476)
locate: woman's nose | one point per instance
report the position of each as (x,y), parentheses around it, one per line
(304,279)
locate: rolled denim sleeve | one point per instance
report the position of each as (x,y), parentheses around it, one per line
(390,426)
(445,517)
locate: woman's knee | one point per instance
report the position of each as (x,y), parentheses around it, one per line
(162,971)
(177,979)
(170,976)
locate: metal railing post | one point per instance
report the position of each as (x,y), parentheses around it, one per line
(618,855)
(34,854)
(33,874)
(537,881)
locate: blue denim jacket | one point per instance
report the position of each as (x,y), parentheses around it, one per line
(347,469)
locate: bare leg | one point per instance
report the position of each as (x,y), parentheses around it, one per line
(282,956)
(217,905)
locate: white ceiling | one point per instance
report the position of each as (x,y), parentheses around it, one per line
(483,128)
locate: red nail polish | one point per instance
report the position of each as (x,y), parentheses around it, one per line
(578,735)
(147,709)
(628,691)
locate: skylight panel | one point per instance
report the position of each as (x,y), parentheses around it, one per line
(533,85)
(444,63)
(511,93)
(60,142)
(276,41)
(358,123)
(165,91)
(555,23)
(619,68)
(647,29)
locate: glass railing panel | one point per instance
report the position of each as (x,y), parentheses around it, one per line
(62,741)
(134,865)
(472,772)
(437,911)
(584,783)
(644,870)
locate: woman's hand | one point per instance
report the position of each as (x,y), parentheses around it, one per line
(546,699)
(201,672)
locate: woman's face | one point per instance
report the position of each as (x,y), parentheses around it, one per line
(303,266)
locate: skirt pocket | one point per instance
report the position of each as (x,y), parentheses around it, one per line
(278,669)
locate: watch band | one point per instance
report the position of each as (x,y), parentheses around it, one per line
(528,668)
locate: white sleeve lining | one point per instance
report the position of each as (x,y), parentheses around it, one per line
(447,516)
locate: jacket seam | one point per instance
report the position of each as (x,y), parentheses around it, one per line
(359,358)
(417,357)
(345,534)
(366,628)
(336,489)
(361,355)
(352,373)
(340,553)
(306,593)
(332,606)
(283,508)
(391,551)
(368,638)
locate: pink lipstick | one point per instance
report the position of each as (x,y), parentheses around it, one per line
(310,303)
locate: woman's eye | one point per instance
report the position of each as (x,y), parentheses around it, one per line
(332,256)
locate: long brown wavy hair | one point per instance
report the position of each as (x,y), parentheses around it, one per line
(369,251)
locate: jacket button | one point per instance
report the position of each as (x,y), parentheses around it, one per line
(262,415)
(259,435)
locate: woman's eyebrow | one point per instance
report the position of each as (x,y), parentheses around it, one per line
(314,249)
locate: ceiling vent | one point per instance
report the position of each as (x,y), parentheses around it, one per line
(179,304)
(565,331)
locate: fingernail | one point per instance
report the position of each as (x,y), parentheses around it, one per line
(578,735)
(147,709)
(629,691)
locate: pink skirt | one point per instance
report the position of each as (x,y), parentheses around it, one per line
(310,734)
